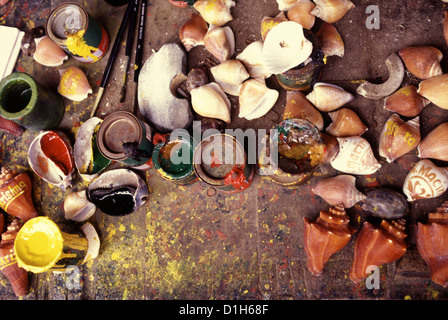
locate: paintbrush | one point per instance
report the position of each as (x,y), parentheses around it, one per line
(139,50)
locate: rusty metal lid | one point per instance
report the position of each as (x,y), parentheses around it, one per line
(68,17)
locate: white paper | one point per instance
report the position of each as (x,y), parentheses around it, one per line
(11,39)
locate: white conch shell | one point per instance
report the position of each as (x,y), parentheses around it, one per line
(210,101)
(331,11)
(216,12)
(77,206)
(74,84)
(49,53)
(355,157)
(329,97)
(256,99)
(252,58)
(285,47)
(220,42)
(230,75)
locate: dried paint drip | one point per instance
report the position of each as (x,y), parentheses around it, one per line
(115,201)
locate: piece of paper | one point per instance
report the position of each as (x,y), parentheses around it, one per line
(11,39)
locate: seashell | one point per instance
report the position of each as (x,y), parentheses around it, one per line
(435,144)
(77,206)
(50,156)
(331,11)
(230,75)
(118,192)
(256,99)
(74,84)
(192,32)
(445,27)
(324,236)
(425,181)
(331,42)
(406,102)
(267,23)
(432,244)
(345,123)
(328,97)
(339,189)
(435,90)
(253,60)
(285,5)
(423,62)
(355,156)
(220,42)
(399,137)
(28,43)
(377,245)
(297,106)
(210,101)
(15,194)
(285,47)
(196,77)
(48,53)
(384,203)
(300,12)
(216,12)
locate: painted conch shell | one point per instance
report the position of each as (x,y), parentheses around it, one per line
(286,47)
(328,97)
(330,40)
(220,42)
(435,144)
(77,206)
(425,181)
(340,189)
(331,11)
(256,99)
(435,90)
(399,137)
(49,53)
(423,62)
(15,194)
(267,23)
(300,12)
(230,75)
(432,244)
(406,102)
(346,123)
(252,58)
(355,156)
(74,84)
(297,106)
(192,32)
(377,245)
(324,236)
(216,12)
(285,5)
(210,101)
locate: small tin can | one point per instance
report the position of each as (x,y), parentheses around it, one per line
(72,28)
(122,137)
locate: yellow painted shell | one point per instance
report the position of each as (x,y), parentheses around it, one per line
(49,53)
(435,89)
(192,32)
(435,144)
(330,40)
(74,84)
(328,97)
(230,75)
(256,99)
(331,11)
(300,12)
(297,106)
(210,101)
(220,42)
(406,102)
(423,62)
(216,12)
(345,123)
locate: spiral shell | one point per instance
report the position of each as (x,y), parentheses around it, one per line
(192,32)
(331,11)
(423,62)
(328,97)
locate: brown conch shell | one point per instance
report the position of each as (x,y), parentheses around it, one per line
(432,244)
(435,90)
(423,62)
(220,42)
(435,144)
(216,12)
(49,53)
(300,12)
(346,123)
(377,245)
(406,102)
(297,106)
(340,189)
(399,137)
(267,23)
(15,195)
(330,40)
(192,32)
(324,236)
(328,97)
(331,11)
(74,84)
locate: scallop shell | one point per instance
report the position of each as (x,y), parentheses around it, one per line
(77,206)
(331,11)
(216,12)
(210,101)
(339,189)
(256,99)
(192,32)
(300,12)
(399,137)
(385,203)
(345,123)
(230,75)
(253,60)
(435,144)
(267,23)
(48,53)
(220,42)
(406,102)
(297,106)
(330,40)
(423,62)
(435,90)
(328,97)
(74,84)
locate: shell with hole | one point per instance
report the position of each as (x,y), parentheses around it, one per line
(230,75)
(220,42)
(216,12)
(211,101)
(328,97)
(345,123)
(256,99)
(423,62)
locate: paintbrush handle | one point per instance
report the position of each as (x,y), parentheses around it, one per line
(140,39)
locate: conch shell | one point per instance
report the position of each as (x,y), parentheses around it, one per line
(339,189)
(423,62)
(331,11)
(267,23)
(210,101)
(346,123)
(192,32)
(435,90)
(256,99)
(330,40)
(216,12)
(425,181)
(74,84)
(253,60)
(297,106)
(49,53)
(220,42)
(399,137)
(377,245)
(285,5)
(355,156)
(300,12)
(432,244)
(406,102)
(435,144)
(77,206)
(230,75)
(328,97)
(324,236)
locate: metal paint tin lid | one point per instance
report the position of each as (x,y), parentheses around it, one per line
(68,17)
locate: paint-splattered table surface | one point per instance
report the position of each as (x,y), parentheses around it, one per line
(185,244)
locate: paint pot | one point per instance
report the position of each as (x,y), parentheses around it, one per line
(42,245)
(173,158)
(28,103)
(122,137)
(220,161)
(182,3)
(72,28)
